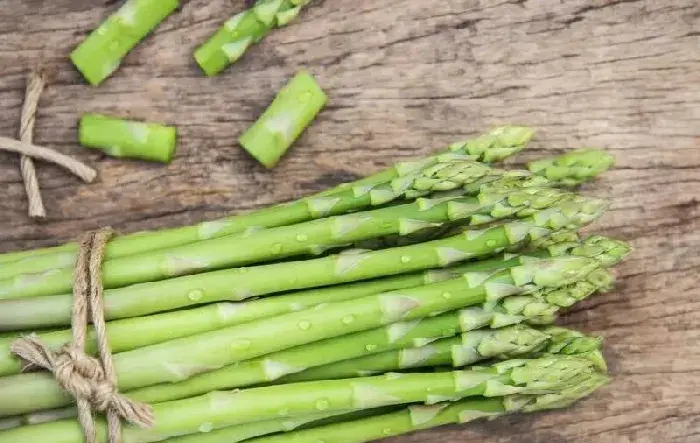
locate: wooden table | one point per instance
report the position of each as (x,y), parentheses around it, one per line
(406,77)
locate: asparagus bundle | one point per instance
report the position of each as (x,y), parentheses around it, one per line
(467,263)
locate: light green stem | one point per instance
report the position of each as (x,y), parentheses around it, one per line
(242,31)
(128,138)
(295,240)
(221,409)
(291,112)
(420,417)
(495,145)
(179,359)
(100,54)
(243,283)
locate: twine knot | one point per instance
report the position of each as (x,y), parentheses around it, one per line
(90,380)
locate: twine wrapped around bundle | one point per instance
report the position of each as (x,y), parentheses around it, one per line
(90,380)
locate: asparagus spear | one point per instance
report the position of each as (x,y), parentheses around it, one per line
(127,138)
(239,284)
(420,417)
(467,349)
(508,311)
(503,343)
(36,277)
(220,409)
(574,167)
(179,359)
(289,114)
(562,341)
(243,30)
(101,53)
(495,145)
(127,334)
(288,241)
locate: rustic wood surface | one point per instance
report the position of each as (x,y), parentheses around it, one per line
(405,77)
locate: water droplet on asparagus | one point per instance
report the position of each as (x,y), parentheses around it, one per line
(304,325)
(195,294)
(277,248)
(302,237)
(322,404)
(491,243)
(348,319)
(405,259)
(207,426)
(386,431)
(370,348)
(446,295)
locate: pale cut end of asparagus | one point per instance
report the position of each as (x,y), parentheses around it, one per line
(291,112)
(127,138)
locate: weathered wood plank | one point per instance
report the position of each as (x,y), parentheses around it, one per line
(405,78)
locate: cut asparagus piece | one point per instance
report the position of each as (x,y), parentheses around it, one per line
(242,31)
(300,239)
(496,145)
(100,54)
(179,359)
(574,167)
(227,408)
(420,417)
(128,138)
(291,112)
(242,283)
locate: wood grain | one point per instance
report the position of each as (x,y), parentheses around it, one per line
(406,77)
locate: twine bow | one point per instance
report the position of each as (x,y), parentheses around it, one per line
(91,381)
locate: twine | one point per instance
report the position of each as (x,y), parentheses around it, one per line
(35,85)
(91,381)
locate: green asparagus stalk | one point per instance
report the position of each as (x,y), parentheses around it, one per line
(179,359)
(242,283)
(36,277)
(243,30)
(227,408)
(503,343)
(291,112)
(294,240)
(127,138)
(495,145)
(101,53)
(467,349)
(574,167)
(128,334)
(421,417)
(508,311)
(246,431)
